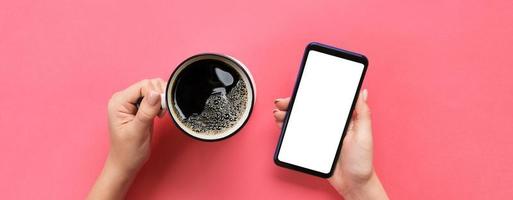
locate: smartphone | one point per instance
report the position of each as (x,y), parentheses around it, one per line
(320,109)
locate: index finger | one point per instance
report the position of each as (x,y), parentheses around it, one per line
(282,103)
(139,89)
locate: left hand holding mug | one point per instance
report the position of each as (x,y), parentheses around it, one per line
(130,137)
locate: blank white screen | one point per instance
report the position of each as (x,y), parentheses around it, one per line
(322,104)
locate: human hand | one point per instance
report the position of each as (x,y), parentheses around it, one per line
(131,128)
(354,176)
(130,137)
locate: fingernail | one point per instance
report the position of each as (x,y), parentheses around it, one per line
(153,98)
(365,93)
(275,110)
(277,100)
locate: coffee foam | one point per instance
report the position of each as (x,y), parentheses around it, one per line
(221,111)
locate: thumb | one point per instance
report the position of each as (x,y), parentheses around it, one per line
(363,114)
(149,108)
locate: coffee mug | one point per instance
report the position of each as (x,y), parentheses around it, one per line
(210,96)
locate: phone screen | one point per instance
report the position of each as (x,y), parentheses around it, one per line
(321,107)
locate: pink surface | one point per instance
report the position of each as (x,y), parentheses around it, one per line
(440,88)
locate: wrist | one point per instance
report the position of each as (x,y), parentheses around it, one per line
(369,189)
(113,182)
(116,168)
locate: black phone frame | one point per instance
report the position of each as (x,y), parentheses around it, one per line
(334,52)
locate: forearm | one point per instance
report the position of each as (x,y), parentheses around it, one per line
(372,189)
(112,183)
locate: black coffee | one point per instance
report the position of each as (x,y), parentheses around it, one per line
(209,96)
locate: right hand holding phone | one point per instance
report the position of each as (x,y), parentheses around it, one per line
(354,176)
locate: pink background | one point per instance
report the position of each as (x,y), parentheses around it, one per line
(440,88)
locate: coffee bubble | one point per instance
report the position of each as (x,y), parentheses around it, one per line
(221,111)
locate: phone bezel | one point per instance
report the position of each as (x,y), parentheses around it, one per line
(334,52)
